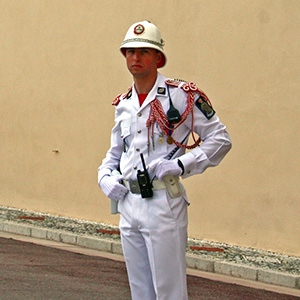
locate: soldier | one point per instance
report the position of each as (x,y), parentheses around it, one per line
(155,118)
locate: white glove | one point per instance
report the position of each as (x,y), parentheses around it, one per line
(112,187)
(165,167)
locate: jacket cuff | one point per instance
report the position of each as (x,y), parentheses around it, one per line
(102,173)
(180,164)
(189,164)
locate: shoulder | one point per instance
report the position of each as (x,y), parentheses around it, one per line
(199,98)
(174,82)
(122,96)
(184,85)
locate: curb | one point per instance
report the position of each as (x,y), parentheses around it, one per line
(193,261)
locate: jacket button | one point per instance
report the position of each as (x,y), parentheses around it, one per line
(139,114)
(139,131)
(135,167)
(138,149)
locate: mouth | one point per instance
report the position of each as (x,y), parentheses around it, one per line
(136,66)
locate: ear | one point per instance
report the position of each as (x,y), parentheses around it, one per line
(159,57)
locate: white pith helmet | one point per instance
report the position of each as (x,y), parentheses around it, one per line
(144,35)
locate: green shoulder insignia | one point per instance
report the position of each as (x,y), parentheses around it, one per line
(205,106)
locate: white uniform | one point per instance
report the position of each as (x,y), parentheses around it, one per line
(154,230)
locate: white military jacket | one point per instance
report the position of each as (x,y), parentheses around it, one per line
(129,136)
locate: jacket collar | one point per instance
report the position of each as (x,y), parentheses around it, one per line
(158,90)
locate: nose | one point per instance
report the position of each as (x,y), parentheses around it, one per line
(136,56)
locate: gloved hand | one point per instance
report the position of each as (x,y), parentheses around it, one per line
(112,187)
(165,167)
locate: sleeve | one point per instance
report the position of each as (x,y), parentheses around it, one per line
(215,144)
(113,155)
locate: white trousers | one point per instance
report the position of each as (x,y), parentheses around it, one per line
(154,237)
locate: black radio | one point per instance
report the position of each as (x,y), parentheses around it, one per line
(144,181)
(173,114)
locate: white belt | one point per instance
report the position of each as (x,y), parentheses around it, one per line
(133,185)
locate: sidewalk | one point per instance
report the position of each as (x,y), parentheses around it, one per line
(216,258)
(33,268)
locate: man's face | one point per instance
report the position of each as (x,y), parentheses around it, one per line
(142,62)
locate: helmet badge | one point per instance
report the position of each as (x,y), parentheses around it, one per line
(139,29)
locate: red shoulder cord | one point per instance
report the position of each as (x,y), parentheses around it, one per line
(119,97)
(157,114)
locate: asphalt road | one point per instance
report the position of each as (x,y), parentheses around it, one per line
(31,271)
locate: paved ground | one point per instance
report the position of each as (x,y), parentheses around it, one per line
(31,271)
(217,261)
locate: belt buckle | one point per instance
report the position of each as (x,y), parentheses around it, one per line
(134,187)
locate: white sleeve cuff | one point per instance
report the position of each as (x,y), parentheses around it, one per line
(194,165)
(102,173)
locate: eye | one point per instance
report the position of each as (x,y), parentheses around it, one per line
(130,51)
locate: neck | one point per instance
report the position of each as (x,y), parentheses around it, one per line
(144,85)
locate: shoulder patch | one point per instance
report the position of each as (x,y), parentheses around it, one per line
(205,106)
(127,95)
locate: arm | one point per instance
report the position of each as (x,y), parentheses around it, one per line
(110,184)
(113,155)
(215,144)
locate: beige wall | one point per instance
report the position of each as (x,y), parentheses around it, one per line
(61,68)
